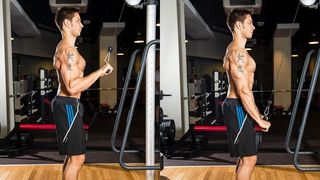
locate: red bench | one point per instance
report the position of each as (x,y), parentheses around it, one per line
(47,127)
(195,130)
(223,129)
(200,128)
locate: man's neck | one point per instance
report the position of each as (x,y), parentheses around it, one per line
(239,40)
(69,39)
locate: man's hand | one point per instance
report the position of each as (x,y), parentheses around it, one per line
(106,69)
(265,125)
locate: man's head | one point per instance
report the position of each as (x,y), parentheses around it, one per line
(240,20)
(69,19)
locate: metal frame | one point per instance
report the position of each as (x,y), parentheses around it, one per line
(122,99)
(297,151)
(296,104)
(131,111)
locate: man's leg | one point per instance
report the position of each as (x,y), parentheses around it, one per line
(73,167)
(65,163)
(246,167)
(239,163)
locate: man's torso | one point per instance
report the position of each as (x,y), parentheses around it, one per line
(249,68)
(77,72)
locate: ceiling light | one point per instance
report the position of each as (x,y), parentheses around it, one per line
(86,22)
(120,54)
(260,23)
(133,2)
(12,39)
(313,39)
(307,2)
(313,42)
(248,49)
(294,55)
(186,41)
(139,41)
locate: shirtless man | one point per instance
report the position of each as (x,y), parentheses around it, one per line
(239,109)
(66,106)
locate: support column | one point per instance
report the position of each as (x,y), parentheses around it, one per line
(6,79)
(282,63)
(183,66)
(173,73)
(107,33)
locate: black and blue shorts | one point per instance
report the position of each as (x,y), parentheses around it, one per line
(240,129)
(67,114)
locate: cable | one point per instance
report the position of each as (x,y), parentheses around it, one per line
(110,48)
(267,110)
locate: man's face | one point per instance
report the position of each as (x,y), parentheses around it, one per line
(76,25)
(247,27)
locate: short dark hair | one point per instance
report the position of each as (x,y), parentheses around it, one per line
(64,13)
(236,15)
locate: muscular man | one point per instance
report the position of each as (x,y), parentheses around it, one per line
(66,106)
(239,109)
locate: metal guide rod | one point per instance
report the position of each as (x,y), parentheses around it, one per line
(278,90)
(254,91)
(150,89)
(108,89)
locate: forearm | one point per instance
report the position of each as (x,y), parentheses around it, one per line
(83,83)
(249,105)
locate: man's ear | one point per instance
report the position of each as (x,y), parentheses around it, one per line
(238,24)
(66,23)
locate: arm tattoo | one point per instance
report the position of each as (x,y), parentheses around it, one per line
(70,59)
(240,58)
(240,68)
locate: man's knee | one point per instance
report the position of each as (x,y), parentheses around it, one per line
(77,159)
(249,161)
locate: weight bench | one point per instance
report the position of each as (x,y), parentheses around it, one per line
(47,127)
(203,129)
(223,129)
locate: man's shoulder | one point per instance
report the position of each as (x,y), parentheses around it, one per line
(237,55)
(64,51)
(66,48)
(235,50)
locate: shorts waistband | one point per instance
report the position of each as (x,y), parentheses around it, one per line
(233,101)
(67,100)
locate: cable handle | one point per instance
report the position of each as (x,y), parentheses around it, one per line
(107,58)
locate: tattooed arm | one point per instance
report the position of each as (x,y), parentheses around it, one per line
(71,75)
(238,62)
